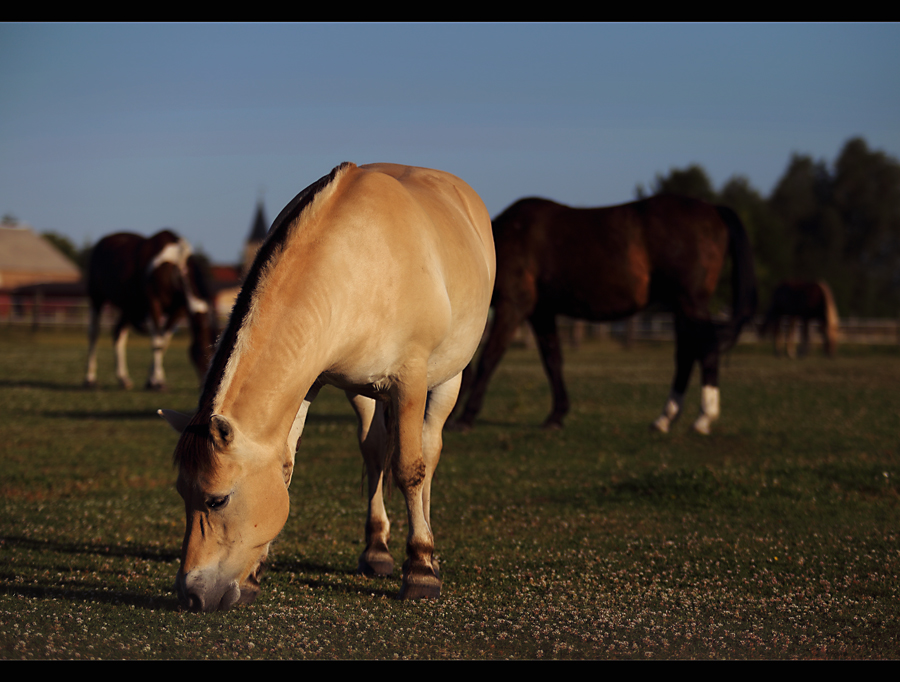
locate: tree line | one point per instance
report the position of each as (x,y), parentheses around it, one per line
(839,223)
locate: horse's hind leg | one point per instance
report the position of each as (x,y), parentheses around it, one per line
(120,340)
(375,559)
(544,326)
(413,475)
(440,403)
(709,367)
(90,378)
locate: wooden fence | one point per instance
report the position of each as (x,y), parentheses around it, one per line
(46,312)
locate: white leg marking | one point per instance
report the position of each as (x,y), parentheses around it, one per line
(121,363)
(709,409)
(670,412)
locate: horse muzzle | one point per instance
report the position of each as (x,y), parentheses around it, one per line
(197,592)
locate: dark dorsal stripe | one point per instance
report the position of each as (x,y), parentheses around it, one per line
(195,451)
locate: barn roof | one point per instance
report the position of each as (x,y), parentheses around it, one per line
(24,254)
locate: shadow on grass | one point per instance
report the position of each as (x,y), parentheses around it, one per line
(320,577)
(97,592)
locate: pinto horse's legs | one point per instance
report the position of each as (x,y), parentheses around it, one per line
(120,340)
(506,322)
(375,559)
(544,325)
(420,579)
(156,379)
(90,378)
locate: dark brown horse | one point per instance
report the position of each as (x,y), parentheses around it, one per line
(154,283)
(803,301)
(604,264)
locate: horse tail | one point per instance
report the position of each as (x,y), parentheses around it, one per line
(831,319)
(743,280)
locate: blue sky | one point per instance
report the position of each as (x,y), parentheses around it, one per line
(109,127)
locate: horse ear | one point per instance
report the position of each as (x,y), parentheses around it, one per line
(177,420)
(221,431)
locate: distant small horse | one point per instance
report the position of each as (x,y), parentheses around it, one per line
(376,279)
(607,264)
(154,283)
(803,301)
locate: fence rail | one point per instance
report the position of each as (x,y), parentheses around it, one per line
(40,312)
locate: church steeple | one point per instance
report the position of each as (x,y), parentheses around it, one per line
(258,230)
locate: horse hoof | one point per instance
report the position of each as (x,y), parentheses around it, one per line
(552,425)
(703,425)
(375,567)
(126,384)
(154,387)
(90,385)
(421,583)
(661,424)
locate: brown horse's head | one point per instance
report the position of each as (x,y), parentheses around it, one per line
(236,502)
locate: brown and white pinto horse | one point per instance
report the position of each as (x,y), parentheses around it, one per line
(376,279)
(803,301)
(606,264)
(154,282)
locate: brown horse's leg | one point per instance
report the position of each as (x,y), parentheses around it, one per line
(685,355)
(375,559)
(709,366)
(506,321)
(544,325)
(776,336)
(790,344)
(804,336)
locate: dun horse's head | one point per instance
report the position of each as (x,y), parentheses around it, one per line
(235,501)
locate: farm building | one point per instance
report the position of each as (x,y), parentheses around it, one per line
(28,258)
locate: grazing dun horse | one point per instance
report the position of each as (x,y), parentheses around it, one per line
(376,279)
(803,301)
(154,282)
(606,264)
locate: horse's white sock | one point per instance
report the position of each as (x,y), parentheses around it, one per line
(670,412)
(709,409)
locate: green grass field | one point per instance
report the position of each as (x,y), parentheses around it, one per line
(775,537)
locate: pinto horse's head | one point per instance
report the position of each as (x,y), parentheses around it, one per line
(235,501)
(201,313)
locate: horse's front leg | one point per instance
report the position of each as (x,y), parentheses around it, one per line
(376,559)
(156,379)
(506,321)
(420,579)
(685,355)
(90,377)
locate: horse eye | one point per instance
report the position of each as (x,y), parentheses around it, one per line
(217,502)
